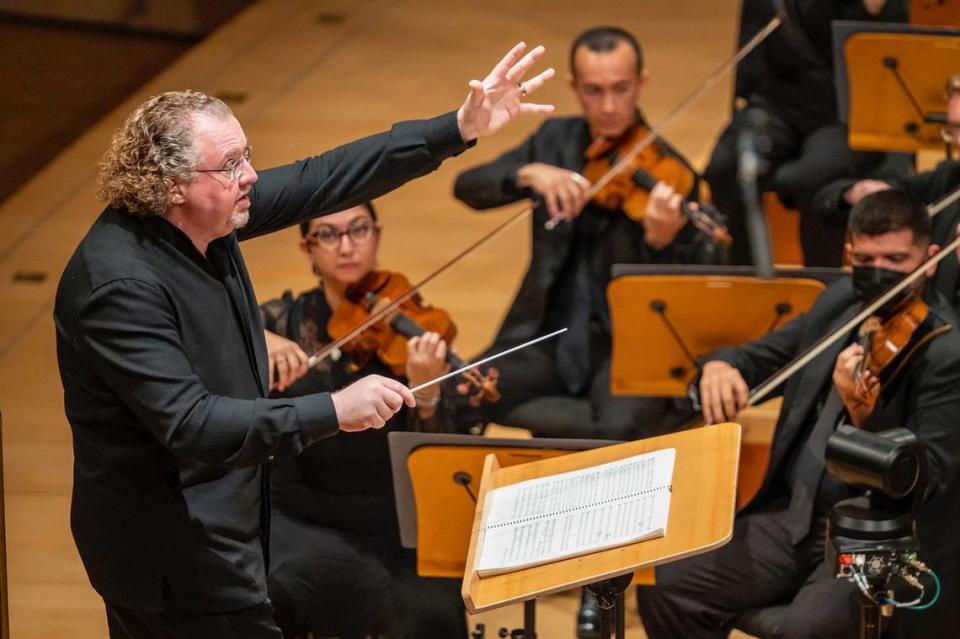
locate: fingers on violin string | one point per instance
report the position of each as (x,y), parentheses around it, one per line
(518,70)
(675,200)
(503,67)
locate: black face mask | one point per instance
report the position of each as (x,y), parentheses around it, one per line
(869,282)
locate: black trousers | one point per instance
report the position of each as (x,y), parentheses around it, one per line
(347,585)
(702,596)
(532,373)
(801,159)
(250,623)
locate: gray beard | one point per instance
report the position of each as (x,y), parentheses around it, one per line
(239,219)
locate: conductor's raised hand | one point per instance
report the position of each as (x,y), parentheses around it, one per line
(723,392)
(497,99)
(370,402)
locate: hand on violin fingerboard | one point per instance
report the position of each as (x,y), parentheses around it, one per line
(663,218)
(496,100)
(426,358)
(287,361)
(859,393)
(723,392)
(369,402)
(564,192)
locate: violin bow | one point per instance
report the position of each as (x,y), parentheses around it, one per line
(764,389)
(655,131)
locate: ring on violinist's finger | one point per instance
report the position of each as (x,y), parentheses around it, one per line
(523,91)
(579,179)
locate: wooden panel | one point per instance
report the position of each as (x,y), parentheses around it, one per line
(707,312)
(882,116)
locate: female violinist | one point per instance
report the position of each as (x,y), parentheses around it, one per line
(337,567)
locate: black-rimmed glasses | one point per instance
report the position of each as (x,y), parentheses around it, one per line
(329,237)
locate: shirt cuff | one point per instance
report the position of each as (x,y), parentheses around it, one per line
(443,137)
(318,417)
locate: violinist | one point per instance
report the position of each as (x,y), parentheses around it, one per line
(570,265)
(336,564)
(776,556)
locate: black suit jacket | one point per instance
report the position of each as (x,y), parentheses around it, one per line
(164,369)
(924,397)
(561,142)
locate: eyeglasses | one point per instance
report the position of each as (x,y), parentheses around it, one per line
(950,133)
(233,169)
(329,237)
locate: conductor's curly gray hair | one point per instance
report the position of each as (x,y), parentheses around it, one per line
(153,148)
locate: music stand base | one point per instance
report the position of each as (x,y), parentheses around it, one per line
(610,600)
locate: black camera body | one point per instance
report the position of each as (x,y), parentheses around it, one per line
(872,537)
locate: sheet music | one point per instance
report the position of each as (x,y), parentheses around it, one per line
(575,513)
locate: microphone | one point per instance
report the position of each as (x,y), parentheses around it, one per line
(753,146)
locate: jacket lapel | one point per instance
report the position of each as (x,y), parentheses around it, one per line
(806,389)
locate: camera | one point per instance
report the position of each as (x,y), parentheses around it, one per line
(871,540)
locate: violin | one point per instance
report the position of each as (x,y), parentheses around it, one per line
(387,338)
(883,339)
(629,189)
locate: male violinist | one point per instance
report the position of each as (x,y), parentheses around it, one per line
(776,556)
(570,265)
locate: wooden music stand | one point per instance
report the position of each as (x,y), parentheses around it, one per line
(890,83)
(436,479)
(935,13)
(702,507)
(662,323)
